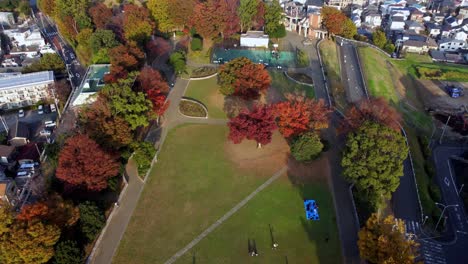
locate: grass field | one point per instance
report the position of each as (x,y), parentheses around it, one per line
(199,177)
(377,75)
(283,85)
(207,92)
(329,54)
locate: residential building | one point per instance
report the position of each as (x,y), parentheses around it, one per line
(416,15)
(25,89)
(18,135)
(414,26)
(451,45)
(7,155)
(372,17)
(24,37)
(342,4)
(8,190)
(92,82)
(433,29)
(463,12)
(396,23)
(420,47)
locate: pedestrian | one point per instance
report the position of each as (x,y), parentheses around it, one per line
(117,204)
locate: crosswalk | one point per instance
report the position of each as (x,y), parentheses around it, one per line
(430,251)
(52,34)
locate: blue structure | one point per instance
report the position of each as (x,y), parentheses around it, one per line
(311,209)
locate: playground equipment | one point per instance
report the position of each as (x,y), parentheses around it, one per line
(311,209)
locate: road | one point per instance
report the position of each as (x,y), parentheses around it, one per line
(455,252)
(351,73)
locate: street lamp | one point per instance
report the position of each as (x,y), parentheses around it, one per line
(445,207)
(425,219)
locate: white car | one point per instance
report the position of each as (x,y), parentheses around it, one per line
(44,132)
(72,56)
(40,110)
(21,113)
(52,108)
(49,124)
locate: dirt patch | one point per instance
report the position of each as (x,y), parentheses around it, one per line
(434,95)
(267,160)
(216,99)
(302,173)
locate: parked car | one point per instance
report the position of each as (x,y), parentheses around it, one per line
(40,110)
(21,113)
(50,124)
(45,132)
(52,108)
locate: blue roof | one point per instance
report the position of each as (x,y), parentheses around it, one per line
(16,81)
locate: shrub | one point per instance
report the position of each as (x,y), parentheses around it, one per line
(302,58)
(177,60)
(92,220)
(192,109)
(306,147)
(196,44)
(389,47)
(143,155)
(68,252)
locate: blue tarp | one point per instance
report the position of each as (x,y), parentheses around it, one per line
(311,209)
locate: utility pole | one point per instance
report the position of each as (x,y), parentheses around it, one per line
(443,131)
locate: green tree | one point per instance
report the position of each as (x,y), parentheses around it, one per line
(384,241)
(102,39)
(92,219)
(177,60)
(137,24)
(48,62)
(143,155)
(196,44)
(68,252)
(132,106)
(306,147)
(273,17)
(75,9)
(349,29)
(160,10)
(379,39)
(247,11)
(279,32)
(373,160)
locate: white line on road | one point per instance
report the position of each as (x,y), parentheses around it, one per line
(451,176)
(225,217)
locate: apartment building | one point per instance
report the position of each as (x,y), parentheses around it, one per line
(25,89)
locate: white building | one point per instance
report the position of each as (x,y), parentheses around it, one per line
(7,19)
(396,23)
(25,89)
(92,82)
(451,45)
(25,37)
(254,39)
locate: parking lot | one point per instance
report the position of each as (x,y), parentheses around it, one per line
(34,120)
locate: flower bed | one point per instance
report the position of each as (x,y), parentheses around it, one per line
(203,72)
(192,109)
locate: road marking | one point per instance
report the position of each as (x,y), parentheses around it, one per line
(451,176)
(446,180)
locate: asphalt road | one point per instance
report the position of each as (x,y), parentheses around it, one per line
(455,251)
(350,73)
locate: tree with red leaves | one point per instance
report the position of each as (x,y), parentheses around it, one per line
(155,87)
(124,58)
(241,77)
(377,110)
(259,19)
(206,20)
(83,163)
(333,20)
(181,11)
(300,114)
(257,125)
(230,23)
(101,15)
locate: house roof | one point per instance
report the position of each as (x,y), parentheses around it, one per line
(30,151)
(18,130)
(12,82)
(431,25)
(437,55)
(397,19)
(447,40)
(416,43)
(413,24)
(5,151)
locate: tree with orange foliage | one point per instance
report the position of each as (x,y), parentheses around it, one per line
(333,19)
(82,163)
(377,110)
(156,89)
(124,59)
(137,24)
(300,114)
(101,15)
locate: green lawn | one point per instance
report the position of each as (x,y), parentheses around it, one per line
(329,54)
(377,75)
(284,85)
(207,92)
(194,183)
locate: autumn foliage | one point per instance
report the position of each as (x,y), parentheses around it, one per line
(300,114)
(82,163)
(257,125)
(101,15)
(124,58)
(155,88)
(377,110)
(241,77)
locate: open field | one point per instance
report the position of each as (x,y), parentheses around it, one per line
(207,92)
(199,177)
(283,85)
(328,51)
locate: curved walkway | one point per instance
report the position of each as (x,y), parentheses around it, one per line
(108,242)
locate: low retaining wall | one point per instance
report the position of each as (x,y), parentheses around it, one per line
(196,102)
(294,80)
(203,78)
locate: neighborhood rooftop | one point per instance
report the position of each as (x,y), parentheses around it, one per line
(16,81)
